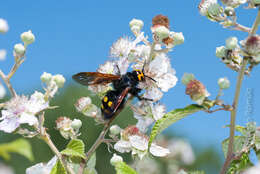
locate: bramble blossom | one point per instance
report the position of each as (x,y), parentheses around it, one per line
(42,168)
(22,110)
(133,140)
(68,128)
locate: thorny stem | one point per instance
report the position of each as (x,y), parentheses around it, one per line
(235,103)
(46,137)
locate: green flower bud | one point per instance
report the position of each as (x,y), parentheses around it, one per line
(221,52)
(59,80)
(27,37)
(115,130)
(187,77)
(223,83)
(229,11)
(161,32)
(19,50)
(136,22)
(231,43)
(46,77)
(116,159)
(178,38)
(214,10)
(76,124)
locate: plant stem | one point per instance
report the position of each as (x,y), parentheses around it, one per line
(46,137)
(8,84)
(235,103)
(99,140)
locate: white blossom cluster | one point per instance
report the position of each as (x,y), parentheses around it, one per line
(25,110)
(42,168)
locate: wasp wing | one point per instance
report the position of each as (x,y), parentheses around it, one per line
(94,78)
(121,98)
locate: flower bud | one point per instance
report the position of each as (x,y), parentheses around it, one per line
(27,37)
(223,83)
(187,77)
(76,124)
(19,50)
(160,20)
(2,54)
(82,103)
(161,33)
(59,80)
(178,38)
(197,91)
(257,58)
(229,11)
(214,9)
(3,26)
(63,124)
(252,45)
(204,6)
(221,52)
(46,77)
(115,159)
(136,25)
(231,43)
(115,130)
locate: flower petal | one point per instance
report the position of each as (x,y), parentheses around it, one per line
(158,150)
(122,146)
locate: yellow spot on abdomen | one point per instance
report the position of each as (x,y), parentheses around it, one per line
(105,99)
(102,106)
(110,104)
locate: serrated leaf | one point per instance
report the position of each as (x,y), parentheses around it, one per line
(240,164)
(20,146)
(123,168)
(58,168)
(172,117)
(239,142)
(75,148)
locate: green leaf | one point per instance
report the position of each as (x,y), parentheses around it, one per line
(90,171)
(240,164)
(239,142)
(92,161)
(75,148)
(172,117)
(123,168)
(58,168)
(20,146)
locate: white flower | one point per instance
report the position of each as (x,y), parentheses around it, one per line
(3,26)
(167,81)
(231,43)
(138,144)
(2,91)
(223,83)
(181,149)
(158,111)
(153,93)
(233,3)
(19,50)
(143,122)
(204,5)
(107,68)
(2,54)
(21,110)
(253,170)
(5,169)
(124,46)
(115,159)
(42,168)
(27,37)
(136,25)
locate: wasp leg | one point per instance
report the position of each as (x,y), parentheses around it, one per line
(118,70)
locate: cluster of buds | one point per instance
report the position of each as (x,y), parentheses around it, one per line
(133,140)
(68,128)
(53,83)
(230,54)
(19,49)
(162,33)
(195,89)
(211,9)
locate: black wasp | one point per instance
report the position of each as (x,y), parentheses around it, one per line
(114,100)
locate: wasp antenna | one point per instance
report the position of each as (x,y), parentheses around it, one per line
(150,78)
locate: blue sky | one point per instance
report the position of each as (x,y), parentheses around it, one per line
(74,36)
